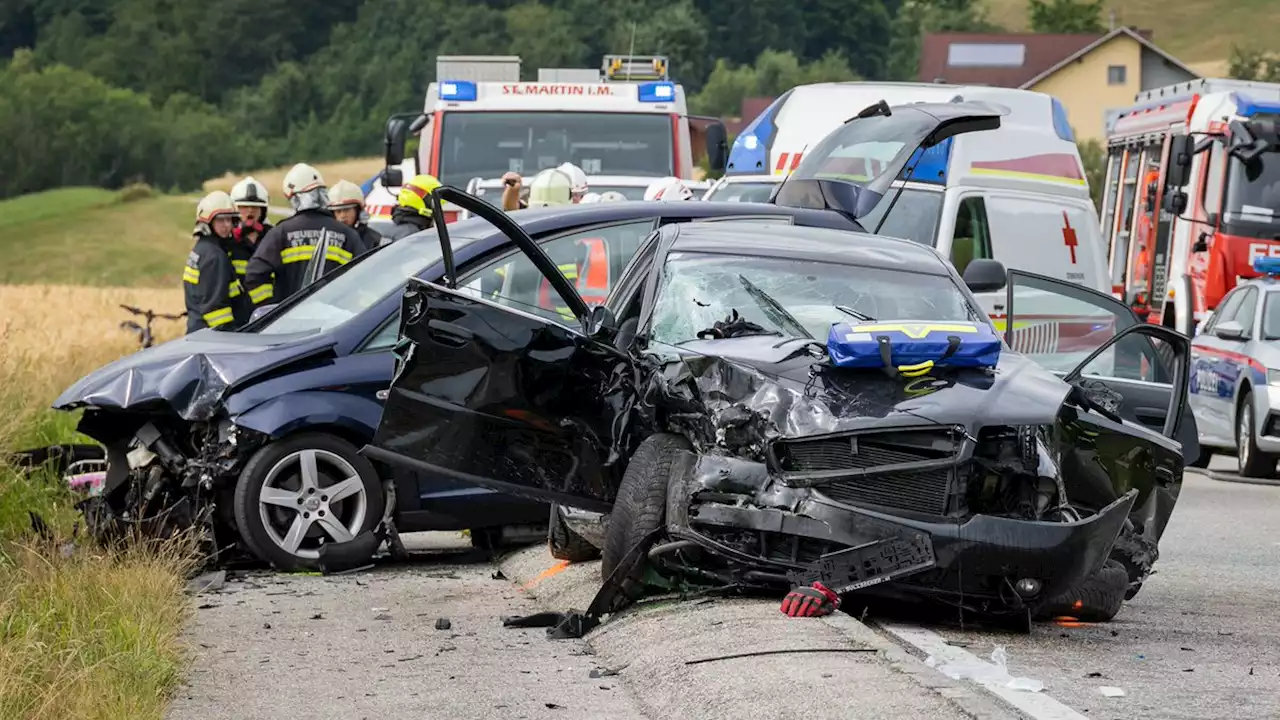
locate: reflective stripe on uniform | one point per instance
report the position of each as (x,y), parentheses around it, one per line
(191,275)
(240,265)
(234,289)
(261,293)
(338,255)
(302,253)
(218,318)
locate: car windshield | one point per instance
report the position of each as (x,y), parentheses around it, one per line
(867,148)
(1271,316)
(915,215)
(1253,193)
(361,286)
(743,192)
(488,144)
(700,289)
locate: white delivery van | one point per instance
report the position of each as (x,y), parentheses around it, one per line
(1017,193)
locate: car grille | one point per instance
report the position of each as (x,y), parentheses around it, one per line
(925,491)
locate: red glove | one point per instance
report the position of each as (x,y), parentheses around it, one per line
(814,601)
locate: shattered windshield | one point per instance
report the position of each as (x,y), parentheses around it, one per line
(362,286)
(699,290)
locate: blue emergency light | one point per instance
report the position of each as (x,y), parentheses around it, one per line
(458,90)
(1248,107)
(656,92)
(929,166)
(1266,265)
(749,154)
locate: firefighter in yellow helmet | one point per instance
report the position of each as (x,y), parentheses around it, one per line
(412,212)
(550,187)
(279,264)
(214,295)
(346,200)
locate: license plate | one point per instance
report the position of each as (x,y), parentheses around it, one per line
(871,563)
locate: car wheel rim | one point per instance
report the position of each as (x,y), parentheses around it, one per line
(1246,432)
(312,497)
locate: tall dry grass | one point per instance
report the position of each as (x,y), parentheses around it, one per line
(88,632)
(53,335)
(356,170)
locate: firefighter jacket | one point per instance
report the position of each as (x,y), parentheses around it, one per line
(407,222)
(372,238)
(279,264)
(214,295)
(242,249)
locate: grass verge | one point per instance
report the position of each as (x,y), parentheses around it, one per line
(88,633)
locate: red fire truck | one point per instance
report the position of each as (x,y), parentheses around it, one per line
(1192,195)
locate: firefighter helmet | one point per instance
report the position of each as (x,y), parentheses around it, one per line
(413,194)
(249,192)
(590,198)
(302,178)
(611,196)
(214,204)
(345,194)
(668,189)
(550,187)
(577,178)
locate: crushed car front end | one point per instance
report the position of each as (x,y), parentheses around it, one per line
(980,488)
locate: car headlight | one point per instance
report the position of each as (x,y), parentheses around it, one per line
(1273,377)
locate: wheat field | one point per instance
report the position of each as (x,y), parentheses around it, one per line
(355,170)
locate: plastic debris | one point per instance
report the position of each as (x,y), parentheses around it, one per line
(443,624)
(208,582)
(994,673)
(1111,691)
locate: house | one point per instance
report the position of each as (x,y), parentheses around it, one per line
(1094,76)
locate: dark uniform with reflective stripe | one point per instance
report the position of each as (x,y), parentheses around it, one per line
(215,297)
(407,222)
(372,238)
(242,250)
(279,264)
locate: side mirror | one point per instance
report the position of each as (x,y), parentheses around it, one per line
(394,142)
(985,275)
(260,311)
(1178,172)
(1176,202)
(1230,330)
(600,322)
(392,177)
(717,147)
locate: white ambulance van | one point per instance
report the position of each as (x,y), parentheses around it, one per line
(1017,194)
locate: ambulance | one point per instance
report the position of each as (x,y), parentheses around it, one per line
(481,121)
(1192,196)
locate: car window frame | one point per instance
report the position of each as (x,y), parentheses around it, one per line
(1229,303)
(1247,294)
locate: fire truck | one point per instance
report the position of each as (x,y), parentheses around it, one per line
(1192,196)
(481,121)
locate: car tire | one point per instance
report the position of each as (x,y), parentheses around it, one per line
(564,543)
(1251,462)
(1097,599)
(640,507)
(295,473)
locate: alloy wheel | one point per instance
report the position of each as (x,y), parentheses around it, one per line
(311,497)
(1245,433)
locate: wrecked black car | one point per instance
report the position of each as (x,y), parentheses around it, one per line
(703,407)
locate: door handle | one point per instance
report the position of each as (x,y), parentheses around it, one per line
(449,333)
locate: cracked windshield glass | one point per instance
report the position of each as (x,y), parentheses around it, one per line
(794,298)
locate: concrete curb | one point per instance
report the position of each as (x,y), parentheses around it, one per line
(652,645)
(1230,477)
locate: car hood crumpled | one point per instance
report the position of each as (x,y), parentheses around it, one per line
(742,393)
(191,375)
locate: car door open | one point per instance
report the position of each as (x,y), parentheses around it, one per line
(502,397)
(1092,340)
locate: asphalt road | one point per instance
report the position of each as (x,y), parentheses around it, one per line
(1202,638)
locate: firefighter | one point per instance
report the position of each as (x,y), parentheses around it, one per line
(214,295)
(668,189)
(251,201)
(578,181)
(512,183)
(278,268)
(347,203)
(550,187)
(412,212)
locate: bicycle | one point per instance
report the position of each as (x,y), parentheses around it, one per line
(145,336)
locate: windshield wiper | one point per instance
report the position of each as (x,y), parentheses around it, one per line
(859,316)
(774,309)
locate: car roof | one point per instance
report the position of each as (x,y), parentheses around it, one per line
(795,242)
(536,221)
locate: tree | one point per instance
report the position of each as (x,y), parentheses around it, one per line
(1083,17)
(543,37)
(677,30)
(1249,63)
(773,74)
(917,17)
(1094,158)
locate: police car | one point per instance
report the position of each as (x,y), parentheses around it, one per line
(1235,363)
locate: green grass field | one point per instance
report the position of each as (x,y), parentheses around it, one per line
(88,236)
(1193,31)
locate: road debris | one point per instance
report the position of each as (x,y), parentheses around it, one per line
(207,582)
(994,673)
(1111,691)
(443,624)
(790,651)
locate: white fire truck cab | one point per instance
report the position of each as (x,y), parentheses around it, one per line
(1192,196)
(481,121)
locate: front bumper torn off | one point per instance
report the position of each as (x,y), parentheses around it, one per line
(711,497)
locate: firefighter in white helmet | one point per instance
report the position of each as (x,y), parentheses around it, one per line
(346,200)
(590,197)
(215,298)
(278,268)
(551,187)
(668,189)
(251,200)
(578,181)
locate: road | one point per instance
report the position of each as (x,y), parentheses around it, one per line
(1201,640)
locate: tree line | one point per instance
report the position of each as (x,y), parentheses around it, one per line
(106,92)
